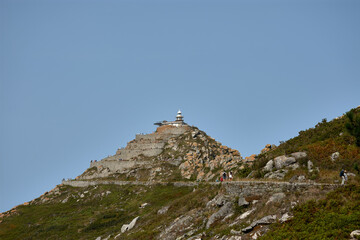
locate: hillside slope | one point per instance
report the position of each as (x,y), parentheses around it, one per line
(328,146)
(165,185)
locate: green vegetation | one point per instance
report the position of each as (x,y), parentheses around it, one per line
(332,218)
(339,135)
(353,125)
(102,215)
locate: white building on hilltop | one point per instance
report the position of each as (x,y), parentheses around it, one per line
(177,123)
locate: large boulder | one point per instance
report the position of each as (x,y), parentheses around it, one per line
(298,155)
(283,161)
(223,211)
(269,166)
(218,200)
(242,202)
(278,174)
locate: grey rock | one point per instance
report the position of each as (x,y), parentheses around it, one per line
(310,166)
(180,224)
(98,238)
(298,155)
(335,156)
(286,217)
(279,174)
(301,178)
(283,161)
(277,197)
(246,214)
(234,238)
(355,234)
(263,221)
(294,166)
(269,166)
(221,200)
(218,200)
(144,205)
(163,210)
(234,232)
(129,226)
(223,211)
(242,202)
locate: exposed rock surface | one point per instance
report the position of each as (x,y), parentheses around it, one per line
(242,202)
(283,161)
(163,210)
(263,221)
(276,197)
(334,156)
(223,211)
(355,234)
(148,157)
(129,226)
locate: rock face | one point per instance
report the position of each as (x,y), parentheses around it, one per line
(129,226)
(298,155)
(277,197)
(263,221)
(242,202)
(223,212)
(282,164)
(268,147)
(283,161)
(149,156)
(269,166)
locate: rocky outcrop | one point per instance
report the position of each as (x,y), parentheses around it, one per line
(283,161)
(268,147)
(222,213)
(278,167)
(355,235)
(129,226)
(263,221)
(196,156)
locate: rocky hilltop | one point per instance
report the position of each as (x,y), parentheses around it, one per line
(170,153)
(164,185)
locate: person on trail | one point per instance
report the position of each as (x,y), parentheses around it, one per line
(230,176)
(224,176)
(221,179)
(343,176)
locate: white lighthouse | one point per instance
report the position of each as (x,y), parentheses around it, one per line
(177,123)
(179,117)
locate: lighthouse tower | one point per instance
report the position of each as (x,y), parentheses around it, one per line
(177,123)
(179,117)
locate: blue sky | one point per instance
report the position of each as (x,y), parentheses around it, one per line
(78,79)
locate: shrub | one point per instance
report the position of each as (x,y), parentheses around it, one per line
(353,125)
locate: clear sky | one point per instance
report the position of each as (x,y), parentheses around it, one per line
(79,78)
